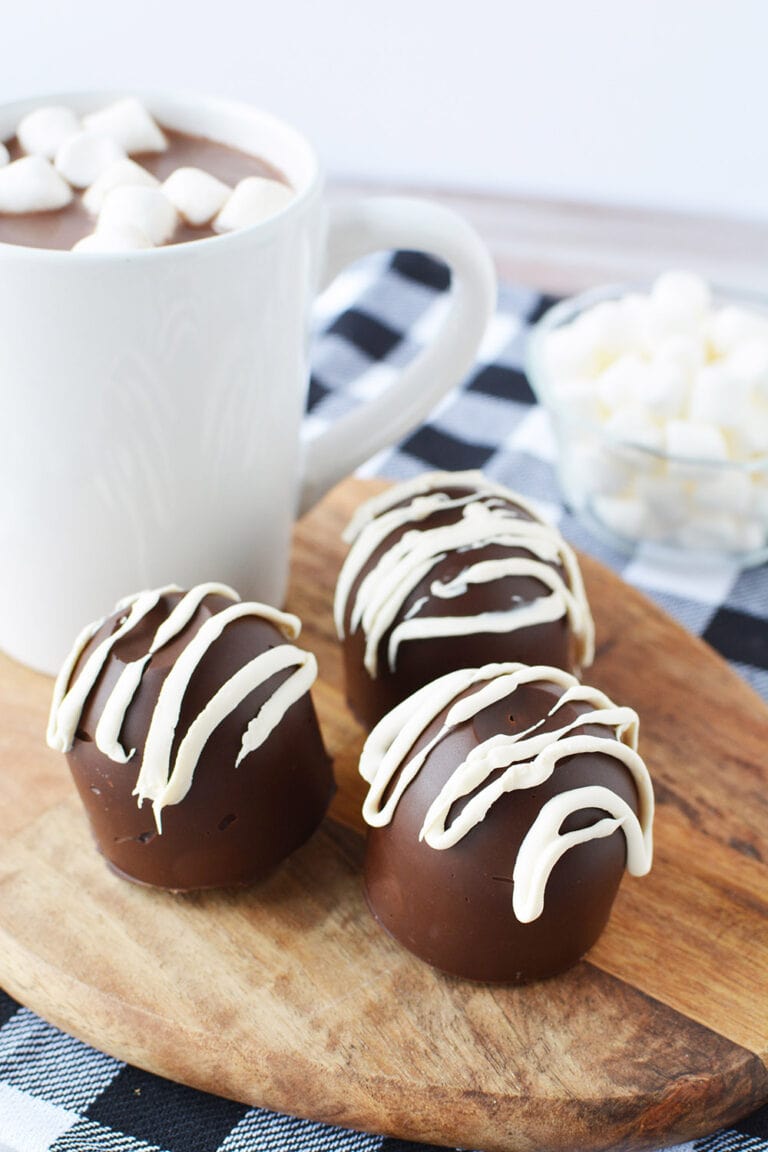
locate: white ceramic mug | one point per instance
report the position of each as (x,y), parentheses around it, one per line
(151,402)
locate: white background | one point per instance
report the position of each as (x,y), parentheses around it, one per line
(649,102)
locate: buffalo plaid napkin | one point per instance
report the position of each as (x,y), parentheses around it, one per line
(57,1094)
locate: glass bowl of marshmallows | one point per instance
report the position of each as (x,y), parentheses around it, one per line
(659,401)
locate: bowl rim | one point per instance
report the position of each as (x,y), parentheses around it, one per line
(569,308)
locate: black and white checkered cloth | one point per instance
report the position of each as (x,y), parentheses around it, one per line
(58,1094)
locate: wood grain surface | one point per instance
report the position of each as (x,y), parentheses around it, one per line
(287,995)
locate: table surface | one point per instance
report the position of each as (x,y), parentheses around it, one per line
(563,247)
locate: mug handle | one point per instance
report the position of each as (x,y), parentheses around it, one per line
(369,226)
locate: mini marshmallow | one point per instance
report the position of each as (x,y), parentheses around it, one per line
(32,184)
(732,325)
(606,328)
(82,158)
(624,382)
(5,155)
(686,352)
(750,437)
(695,440)
(640,322)
(125,239)
(570,354)
(680,299)
(253,201)
(748,363)
(626,516)
(590,467)
(130,124)
(718,396)
(635,426)
(146,209)
(666,389)
(120,173)
(42,132)
(196,195)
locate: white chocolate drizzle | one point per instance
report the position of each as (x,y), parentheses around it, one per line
(507,762)
(486,517)
(69,699)
(113,715)
(158,780)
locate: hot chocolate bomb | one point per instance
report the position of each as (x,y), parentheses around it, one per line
(192,739)
(503,804)
(449,571)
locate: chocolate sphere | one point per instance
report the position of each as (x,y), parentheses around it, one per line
(449,571)
(504,804)
(192,738)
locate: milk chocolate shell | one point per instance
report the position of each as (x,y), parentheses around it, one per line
(504,805)
(449,571)
(191,736)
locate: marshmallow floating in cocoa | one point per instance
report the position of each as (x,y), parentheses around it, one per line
(253,201)
(121,172)
(82,158)
(32,184)
(113,239)
(43,131)
(196,195)
(130,125)
(146,209)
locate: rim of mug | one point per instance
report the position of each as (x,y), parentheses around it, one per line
(150,96)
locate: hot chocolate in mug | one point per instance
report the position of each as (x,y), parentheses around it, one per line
(151,402)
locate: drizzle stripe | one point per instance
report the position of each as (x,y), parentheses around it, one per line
(376,532)
(544,844)
(385,588)
(155,767)
(228,697)
(522,772)
(120,698)
(53,738)
(485,520)
(393,738)
(523,759)
(424,483)
(66,713)
(273,710)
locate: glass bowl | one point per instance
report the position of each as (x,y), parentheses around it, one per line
(629,493)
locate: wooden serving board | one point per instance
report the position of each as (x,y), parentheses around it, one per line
(287,995)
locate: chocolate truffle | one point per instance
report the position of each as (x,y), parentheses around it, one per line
(449,571)
(504,804)
(191,736)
